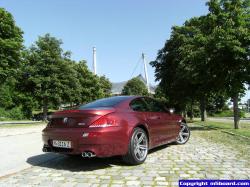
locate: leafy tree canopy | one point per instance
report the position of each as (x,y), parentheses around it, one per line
(135,87)
(10,45)
(208,56)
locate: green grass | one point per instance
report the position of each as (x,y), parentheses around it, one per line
(9,119)
(22,125)
(5,119)
(228,113)
(227,126)
(193,120)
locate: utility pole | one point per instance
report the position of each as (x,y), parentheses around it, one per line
(94,60)
(145,71)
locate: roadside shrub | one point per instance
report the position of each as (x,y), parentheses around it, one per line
(14,113)
(3,114)
(228,113)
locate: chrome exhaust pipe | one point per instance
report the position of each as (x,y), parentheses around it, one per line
(84,154)
(88,154)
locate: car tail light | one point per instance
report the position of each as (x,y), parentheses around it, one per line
(104,121)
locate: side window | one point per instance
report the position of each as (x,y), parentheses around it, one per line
(154,106)
(138,105)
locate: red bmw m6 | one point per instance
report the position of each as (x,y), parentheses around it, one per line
(122,125)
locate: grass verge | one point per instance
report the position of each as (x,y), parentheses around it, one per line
(236,143)
(22,125)
(227,126)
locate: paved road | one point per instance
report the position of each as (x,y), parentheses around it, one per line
(17,145)
(200,158)
(229,119)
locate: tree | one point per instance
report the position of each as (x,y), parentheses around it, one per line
(43,75)
(181,66)
(6,94)
(69,83)
(47,73)
(106,86)
(160,95)
(208,56)
(230,39)
(10,45)
(135,87)
(52,79)
(92,87)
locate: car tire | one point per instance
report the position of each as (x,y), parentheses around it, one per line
(138,148)
(184,134)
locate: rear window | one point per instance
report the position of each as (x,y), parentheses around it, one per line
(106,102)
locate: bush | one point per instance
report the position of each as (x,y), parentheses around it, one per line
(229,113)
(3,114)
(14,113)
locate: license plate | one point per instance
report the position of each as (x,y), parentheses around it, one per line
(62,144)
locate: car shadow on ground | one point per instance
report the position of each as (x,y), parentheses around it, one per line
(72,163)
(77,163)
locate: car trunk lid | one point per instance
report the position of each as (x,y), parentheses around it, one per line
(77,118)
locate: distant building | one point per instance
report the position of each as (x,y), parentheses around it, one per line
(118,86)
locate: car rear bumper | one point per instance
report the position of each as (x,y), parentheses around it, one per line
(103,142)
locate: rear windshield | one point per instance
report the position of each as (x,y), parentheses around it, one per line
(106,102)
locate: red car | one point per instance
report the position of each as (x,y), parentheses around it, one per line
(122,125)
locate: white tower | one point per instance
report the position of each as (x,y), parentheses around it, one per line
(94,60)
(145,71)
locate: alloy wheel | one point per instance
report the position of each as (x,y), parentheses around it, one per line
(140,145)
(183,134)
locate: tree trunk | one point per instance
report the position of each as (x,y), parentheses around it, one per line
(203,109)
(236,111)
(45,109)
(185,113)
(191,111)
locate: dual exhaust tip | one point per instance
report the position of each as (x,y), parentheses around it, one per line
(88,154)
(85,154)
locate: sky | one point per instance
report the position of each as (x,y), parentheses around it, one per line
(120,30)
